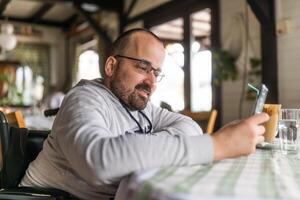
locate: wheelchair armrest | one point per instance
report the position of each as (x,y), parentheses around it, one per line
(35,193)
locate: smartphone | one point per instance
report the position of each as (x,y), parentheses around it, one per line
(260,100)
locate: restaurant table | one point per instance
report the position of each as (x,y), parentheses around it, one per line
(38,121)
(34,118)
(265,174)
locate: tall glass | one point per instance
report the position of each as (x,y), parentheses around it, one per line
(289,130)
(273,110)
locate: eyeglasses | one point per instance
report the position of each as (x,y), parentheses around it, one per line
(145,67)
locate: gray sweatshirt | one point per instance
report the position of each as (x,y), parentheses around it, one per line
(95,142)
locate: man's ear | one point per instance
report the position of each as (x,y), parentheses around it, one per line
(110,66)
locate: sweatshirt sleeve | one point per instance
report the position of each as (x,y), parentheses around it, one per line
(84,138)
(173,123)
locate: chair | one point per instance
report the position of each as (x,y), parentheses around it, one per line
(211,121)
(207,119)
(15,119)
(19,147)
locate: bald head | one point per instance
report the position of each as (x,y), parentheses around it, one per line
(126,39)
(136,43)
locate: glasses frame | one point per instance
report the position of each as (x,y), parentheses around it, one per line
(156,72)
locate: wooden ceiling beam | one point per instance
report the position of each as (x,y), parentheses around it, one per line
(41,12)
(131,6)
(169,11)
(95,26)
(105,4)
(67,24)
(3,5)
(41,22)
(74,31)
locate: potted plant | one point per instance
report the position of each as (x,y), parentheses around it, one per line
(8,91)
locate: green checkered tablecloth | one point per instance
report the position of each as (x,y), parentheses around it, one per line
(265,174)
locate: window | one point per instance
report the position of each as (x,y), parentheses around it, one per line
(170,89)
(201,70)
(201,62)
(88,67)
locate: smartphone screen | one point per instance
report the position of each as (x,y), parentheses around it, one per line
(260,100)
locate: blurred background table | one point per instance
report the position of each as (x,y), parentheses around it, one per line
(38,121)
(34,118)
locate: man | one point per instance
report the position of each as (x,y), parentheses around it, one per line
(107,129)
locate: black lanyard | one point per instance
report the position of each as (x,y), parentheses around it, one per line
(136,121)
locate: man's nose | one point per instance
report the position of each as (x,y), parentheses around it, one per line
(151,79)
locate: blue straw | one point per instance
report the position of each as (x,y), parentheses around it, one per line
(253,88)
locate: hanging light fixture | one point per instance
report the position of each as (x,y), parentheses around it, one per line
(8,40)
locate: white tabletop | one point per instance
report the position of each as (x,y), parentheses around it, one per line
(38,122)
(265,174)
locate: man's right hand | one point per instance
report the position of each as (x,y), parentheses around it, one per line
(240,138)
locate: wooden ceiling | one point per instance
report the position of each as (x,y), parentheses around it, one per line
(67,13)
(57,13)
(173,30)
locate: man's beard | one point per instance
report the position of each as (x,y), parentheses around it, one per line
(131,98)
